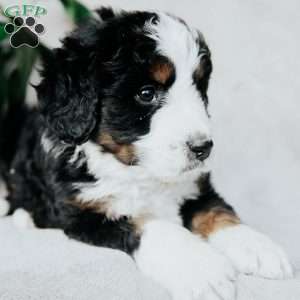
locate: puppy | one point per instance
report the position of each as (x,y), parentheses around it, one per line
(116,156)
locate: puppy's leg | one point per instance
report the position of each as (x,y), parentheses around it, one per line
(168,253)
(183,263)
(96,229)
(251,252)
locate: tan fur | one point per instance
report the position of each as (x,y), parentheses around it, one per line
(161,71)
(123,152)
(100,206)
(103,206)
(206,223)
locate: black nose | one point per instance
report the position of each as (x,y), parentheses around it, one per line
(202,152)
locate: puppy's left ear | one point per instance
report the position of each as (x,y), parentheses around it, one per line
(204,72)
(204,69)
(67,95)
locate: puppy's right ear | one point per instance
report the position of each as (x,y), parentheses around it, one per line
(67,97)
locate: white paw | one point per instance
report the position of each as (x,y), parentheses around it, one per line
(22,219)
(252,252)
(184,264)
(4,207)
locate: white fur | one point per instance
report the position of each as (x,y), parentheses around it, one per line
(22,219)
(132,190)
(183,117)
(184,264)
(47,144)
(252,252)
(51,147)
(4,205)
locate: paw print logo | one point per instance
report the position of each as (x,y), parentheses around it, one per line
(24,32)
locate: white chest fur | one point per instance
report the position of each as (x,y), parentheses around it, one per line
(131,191)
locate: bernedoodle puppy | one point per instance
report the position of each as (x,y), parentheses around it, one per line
(116,154)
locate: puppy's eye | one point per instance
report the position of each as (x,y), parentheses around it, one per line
(147,94)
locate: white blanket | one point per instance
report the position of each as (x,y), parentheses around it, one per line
(46,265)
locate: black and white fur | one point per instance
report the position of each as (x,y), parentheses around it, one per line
(59,172)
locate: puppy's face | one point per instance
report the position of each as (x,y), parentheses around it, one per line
(136,86)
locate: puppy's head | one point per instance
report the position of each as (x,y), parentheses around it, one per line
(136,85)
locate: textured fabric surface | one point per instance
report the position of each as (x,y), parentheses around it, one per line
(45,264)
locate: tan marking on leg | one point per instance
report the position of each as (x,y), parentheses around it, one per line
(205,223)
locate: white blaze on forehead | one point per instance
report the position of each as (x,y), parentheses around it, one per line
(176,41)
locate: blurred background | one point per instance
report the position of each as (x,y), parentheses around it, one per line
(254,96)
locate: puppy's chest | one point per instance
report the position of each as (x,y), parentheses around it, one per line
(140,198)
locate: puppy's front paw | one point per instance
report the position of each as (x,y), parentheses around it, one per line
(184,264)
(252,252)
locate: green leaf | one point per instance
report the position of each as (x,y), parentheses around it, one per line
(77,11)
(16,67)
(3,34)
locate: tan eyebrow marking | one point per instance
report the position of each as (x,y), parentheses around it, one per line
(162,70)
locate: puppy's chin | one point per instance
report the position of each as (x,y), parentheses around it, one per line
(195,164)
(193,171)
(189,173)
